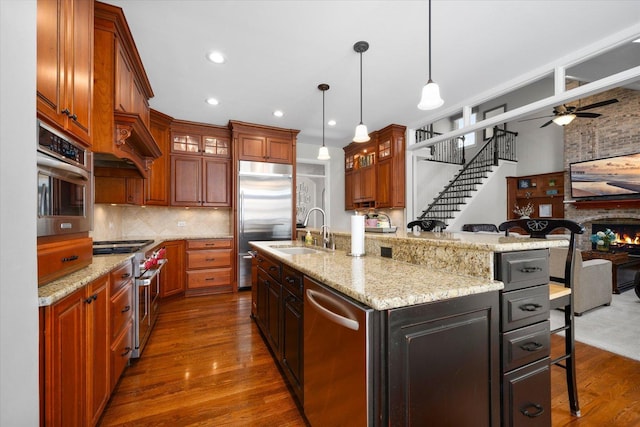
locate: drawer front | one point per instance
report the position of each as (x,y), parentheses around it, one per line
(526,396)
(524,307)
(523,269)
(58,259)
(525,345)
(209,244)
(274,269)
(121,352)
(292,280)
(208,278)
(121,310)
(212,258)
(120,276)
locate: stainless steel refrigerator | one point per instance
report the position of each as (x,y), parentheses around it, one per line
(265,209)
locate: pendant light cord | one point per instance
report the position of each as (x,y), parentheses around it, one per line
(323,118)
(360,87)
(429,40)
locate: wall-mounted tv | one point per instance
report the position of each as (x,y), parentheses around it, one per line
(612,177)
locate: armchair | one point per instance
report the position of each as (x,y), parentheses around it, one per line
(591,279)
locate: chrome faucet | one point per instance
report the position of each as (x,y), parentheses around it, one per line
(324,229)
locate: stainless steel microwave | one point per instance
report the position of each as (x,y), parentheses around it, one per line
(65,184)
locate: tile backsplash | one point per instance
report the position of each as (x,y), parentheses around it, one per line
(127,222)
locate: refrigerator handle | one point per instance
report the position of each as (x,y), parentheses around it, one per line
(241,212)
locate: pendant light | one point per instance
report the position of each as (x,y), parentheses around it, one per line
(361,135)
(323,154)
(430,99)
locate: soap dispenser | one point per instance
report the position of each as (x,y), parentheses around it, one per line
(308,239)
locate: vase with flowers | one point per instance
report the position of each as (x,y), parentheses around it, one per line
(603,239)
(524,211)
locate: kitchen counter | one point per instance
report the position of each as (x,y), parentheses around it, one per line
(425,267)
(101,264)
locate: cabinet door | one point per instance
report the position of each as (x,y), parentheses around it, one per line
(273,315)
(124,81)
(98,348)
(279,150)
(349,191)
(186,179)
(110,190)
(216,182)
(367,184)
(65,361)
(156,190)
(50,62)
(252,148)
(384,184)
(262,285)
(172,277)
(80,60)
(292,340)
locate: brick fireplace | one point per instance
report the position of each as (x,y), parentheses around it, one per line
(616,132)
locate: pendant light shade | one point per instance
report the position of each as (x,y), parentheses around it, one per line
(323,154)
(430,98)
(361,135)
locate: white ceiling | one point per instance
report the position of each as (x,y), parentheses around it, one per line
(279,51)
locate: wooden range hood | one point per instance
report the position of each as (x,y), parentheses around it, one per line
(134,142)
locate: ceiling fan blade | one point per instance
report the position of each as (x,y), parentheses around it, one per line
(547,124)
(535,118)
(588,115)
(597,104)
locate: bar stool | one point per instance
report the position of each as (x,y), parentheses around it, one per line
(560,295)
(428,224)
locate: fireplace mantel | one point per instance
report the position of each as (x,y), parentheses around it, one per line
(606,204)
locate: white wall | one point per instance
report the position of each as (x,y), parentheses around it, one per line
(18,265)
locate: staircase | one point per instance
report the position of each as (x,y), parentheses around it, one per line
(502,146)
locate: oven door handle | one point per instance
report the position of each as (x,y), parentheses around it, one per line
(53,164)
(145,280)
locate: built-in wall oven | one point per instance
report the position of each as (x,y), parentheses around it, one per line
(65,184)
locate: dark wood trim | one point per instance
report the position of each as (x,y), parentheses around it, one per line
(606,204)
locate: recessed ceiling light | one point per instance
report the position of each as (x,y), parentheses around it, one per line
(331,122)
(212,101)
(278,113)
(216,57)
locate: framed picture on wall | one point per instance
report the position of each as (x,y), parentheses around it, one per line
(488,132)
(545,211)
(524,183)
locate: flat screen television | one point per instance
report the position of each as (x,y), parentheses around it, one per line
(612,177)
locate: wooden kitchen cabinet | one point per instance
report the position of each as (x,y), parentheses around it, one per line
(157,185)
(76,356)
(261,143)
(65,65)
(375,171)
(173,272)
(58,257)
(118,186)
(200,165)
(121,320)
(208,266)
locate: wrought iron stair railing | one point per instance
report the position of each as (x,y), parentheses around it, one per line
(502,146)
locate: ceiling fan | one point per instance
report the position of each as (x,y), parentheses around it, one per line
(564,114)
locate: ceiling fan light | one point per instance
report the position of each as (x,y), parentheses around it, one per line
(564,119)
(323,153)
(362,135)
(430,99)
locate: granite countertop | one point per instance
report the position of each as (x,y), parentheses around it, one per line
(380,283)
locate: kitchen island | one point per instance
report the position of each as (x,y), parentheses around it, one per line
(431,349)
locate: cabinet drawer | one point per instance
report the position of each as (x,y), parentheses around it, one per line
(525,345)
(292,280)
(208,278)
(58,259)
(209,244)
(120,276)
(121,310)
(121,352)
(212,258)
(274,269)
(526,396)
(524,307)
(523,269)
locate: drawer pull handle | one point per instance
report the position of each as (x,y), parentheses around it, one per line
(530,307)
(126,275)
(126,351)
(538,408)
(273,268)
(91,299)
(70,258)
(531,346)
(290,280)
(210,278)
(125,309)
(530,269)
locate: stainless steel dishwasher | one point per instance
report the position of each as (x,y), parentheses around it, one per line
(338,390)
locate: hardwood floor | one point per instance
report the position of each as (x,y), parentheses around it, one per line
(206,365)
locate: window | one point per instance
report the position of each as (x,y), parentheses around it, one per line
(470,138)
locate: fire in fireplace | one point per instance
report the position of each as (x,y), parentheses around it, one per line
(627,236)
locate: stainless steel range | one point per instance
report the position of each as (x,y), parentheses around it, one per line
(146,270)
